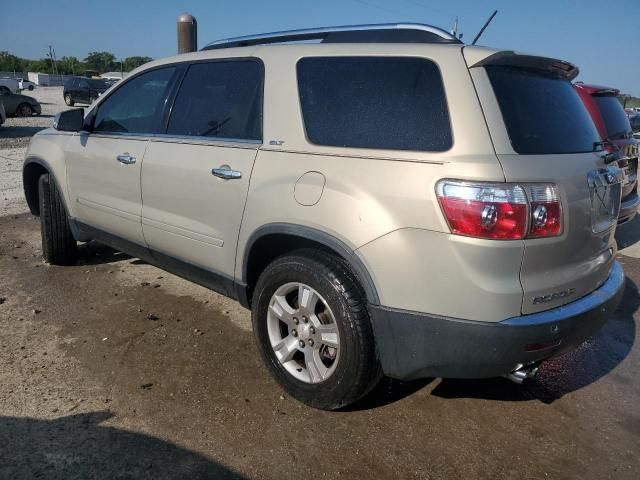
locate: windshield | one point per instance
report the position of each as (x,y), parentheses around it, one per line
(615,120)
(543,114)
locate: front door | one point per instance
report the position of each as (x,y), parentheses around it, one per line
(196,177)
(104,164)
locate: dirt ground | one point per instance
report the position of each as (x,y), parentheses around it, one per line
(112,368)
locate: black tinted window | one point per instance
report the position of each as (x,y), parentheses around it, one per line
(374,102)
(98,84)
(543,115)
(616,121)
(219,99)
(135,107)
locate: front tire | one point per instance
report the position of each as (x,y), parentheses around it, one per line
(58,245)
(313,329)
(68,100)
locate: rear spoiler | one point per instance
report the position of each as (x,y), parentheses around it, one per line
(550,66)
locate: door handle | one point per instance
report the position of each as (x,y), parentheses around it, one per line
(225,172)
(126,159)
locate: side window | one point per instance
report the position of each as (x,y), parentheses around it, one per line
(374,102)
(219,99)
(136,106)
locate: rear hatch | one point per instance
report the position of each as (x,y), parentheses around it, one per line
(542,133)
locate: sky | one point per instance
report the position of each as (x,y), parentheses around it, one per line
(602,38)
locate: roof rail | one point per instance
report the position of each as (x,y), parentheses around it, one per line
(373,33)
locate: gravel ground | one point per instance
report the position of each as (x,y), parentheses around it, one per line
(15,135)
(111,368)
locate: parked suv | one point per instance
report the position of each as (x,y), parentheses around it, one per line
(83,90)
(614,128)
(386,201)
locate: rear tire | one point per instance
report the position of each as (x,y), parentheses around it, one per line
(68,100)
(58,245)
(24,110)
(340,308)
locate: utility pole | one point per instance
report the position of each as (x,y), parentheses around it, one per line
(54,66)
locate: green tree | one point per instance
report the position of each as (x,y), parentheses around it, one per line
(130,63)
(11,63)
(70,66)
(101,61)
(43,65)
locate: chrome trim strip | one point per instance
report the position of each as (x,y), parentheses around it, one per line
(119,135)
(318,33)
(185,139)
(212,141)
(609,289)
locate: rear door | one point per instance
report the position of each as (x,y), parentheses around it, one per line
(542,133)
(104,164)
(195,177)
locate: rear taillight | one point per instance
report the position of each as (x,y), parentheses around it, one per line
(546,214)
(500,211)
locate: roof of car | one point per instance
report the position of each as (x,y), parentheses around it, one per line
(597,89)
(370,33)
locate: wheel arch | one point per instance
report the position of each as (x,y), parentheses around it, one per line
(273,240)
(32,170)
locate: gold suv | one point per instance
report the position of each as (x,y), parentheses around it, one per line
(386,200)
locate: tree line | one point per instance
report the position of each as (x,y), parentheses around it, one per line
(99,61)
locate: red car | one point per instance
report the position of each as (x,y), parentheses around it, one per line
(614,128)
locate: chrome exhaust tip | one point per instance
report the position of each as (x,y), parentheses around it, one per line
(522,372)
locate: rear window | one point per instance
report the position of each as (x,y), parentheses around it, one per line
(615,120)
(374,102)
(543,114)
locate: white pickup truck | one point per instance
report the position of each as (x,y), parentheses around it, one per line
(11,83)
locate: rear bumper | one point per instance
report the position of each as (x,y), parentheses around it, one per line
(629,207)
(413,345)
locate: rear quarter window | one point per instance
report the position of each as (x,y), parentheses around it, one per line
(374,102)
(543,114)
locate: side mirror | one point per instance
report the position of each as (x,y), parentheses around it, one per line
(69,120)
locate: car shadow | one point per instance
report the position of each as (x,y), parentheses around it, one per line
(78,447)
(12,131)
(558,376)
(386,392)
(94,253)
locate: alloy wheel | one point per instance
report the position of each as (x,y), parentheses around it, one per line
(303,332)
